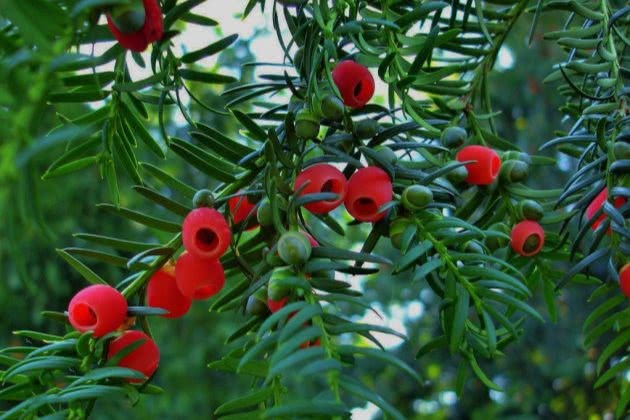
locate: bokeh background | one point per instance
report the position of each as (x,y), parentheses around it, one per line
(547,374)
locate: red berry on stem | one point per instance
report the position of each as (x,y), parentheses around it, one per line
(624,280)
(144,358)
(205,233)
(99,308)
(276,305)
(151,31)
(163,292)
(527,238)
(598,203)
(355,83)
(198,278)
(368,189)
(322,178)
(487,165)
(241,208)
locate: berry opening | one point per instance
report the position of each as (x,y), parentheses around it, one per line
(531,244)
(334,186)
(365,206)
(362,90)
(206,239)
(358,88)
(84,315)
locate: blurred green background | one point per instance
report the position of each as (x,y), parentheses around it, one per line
(547,374)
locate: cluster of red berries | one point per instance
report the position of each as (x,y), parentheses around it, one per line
(137,25)
(197,274)
(363,195)
(102,309)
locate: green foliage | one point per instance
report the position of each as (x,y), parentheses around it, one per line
(436,60)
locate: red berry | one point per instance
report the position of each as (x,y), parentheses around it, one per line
(527,238)
(368,189)
(144,358)
(241,208)
(598,203)
(99,308)
(322,178)
(198,278)
(162,292)
(487,165)
(624,280)
(355,83)
(205,233)
(276,305)
(151,31)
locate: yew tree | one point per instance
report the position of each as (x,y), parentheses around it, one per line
(369,145)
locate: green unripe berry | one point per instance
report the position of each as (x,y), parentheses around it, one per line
(621,150)
(306,124)
(366,129)
(516,155)
(494,242)
(264,214)
(276,288)
(129,17)
(513,171)
(531,243)
(257,303)
(415,197)
(530,210)
(396,230)
(332,108)
(387,154)
(203,198)
(457,175)
(453,137)
(294,248)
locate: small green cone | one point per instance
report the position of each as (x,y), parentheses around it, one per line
(294,248)
(530,210)
(332,108)
(416,197)
(128,18)
(453,137)
(306,124)
(513,171)
(365,129)
(493,242)
(203,198)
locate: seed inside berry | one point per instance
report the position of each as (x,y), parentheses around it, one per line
(531,243)
(358,87)
(365,205)
(334,186)
(206,239)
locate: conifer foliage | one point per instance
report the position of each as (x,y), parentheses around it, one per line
(419,165)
